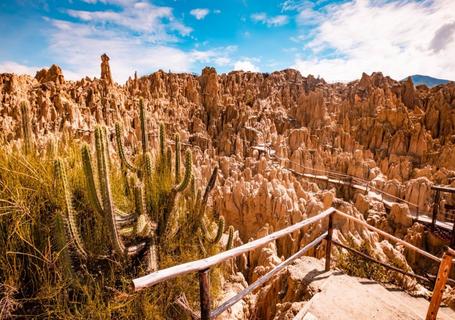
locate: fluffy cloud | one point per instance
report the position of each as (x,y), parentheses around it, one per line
(395,37)
(81,46)
(14,67)
(245,65)
(137,36)
(270,21)
(199,14)
(154,22)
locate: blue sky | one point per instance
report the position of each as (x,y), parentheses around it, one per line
(335,39)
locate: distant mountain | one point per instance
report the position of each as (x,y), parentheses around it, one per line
(426,80)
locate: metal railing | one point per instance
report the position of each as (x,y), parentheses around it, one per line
(203,266)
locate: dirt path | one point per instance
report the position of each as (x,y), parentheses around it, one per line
(344,297)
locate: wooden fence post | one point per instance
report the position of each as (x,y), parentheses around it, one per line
(435,209)
(204,293)
(328,246)
(443,274)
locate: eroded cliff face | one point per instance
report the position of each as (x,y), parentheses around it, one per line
(255,127)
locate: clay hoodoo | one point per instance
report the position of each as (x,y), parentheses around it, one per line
(258,127)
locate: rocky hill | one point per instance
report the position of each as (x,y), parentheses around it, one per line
(256,127)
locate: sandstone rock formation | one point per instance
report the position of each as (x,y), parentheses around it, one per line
(261,130)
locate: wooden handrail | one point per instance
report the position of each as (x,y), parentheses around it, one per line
(203,266)
(262,280)
(199,265)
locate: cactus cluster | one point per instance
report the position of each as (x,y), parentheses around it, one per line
(157,191)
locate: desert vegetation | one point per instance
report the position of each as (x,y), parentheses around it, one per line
(74,232)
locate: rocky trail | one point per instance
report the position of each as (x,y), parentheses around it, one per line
(341,297)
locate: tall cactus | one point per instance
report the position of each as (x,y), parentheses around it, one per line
(26,128)
(143,120)
(199,208)
(106,204)
(70,216)
(177,157)
(121,150)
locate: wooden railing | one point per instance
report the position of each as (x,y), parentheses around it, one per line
(203,266)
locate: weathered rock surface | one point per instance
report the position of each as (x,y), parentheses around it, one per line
(257,127)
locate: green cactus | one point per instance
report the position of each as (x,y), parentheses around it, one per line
(121,150)
(106,203)
(70,219)
(162,138)
(60,245)
(90,180)
(230,238)
(188,173)
(168,161)
(219,232)
(148,180)
(143,121)
(177,157)
(26,128)
(51,149)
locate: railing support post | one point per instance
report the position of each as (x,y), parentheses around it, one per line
(435,209)
(204,293)
(328,246)
(452,241)
(443,274)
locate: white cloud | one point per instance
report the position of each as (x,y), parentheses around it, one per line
(17,68)
(245,65)
(138,36)
(398,38)
(199,14)
(153,21)
(273,21)
(80,46)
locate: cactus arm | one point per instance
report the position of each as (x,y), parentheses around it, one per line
(143,121)
(188,173)
(210,186)
(169,160)
(219,231)
(60,245)
(126,182)
(162,138)
(152,256)
(62,180)
(107,147)
(121,149)
(90,179)
(139,200)
(148,180)
(230,238)
(106,194)
(177,158)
